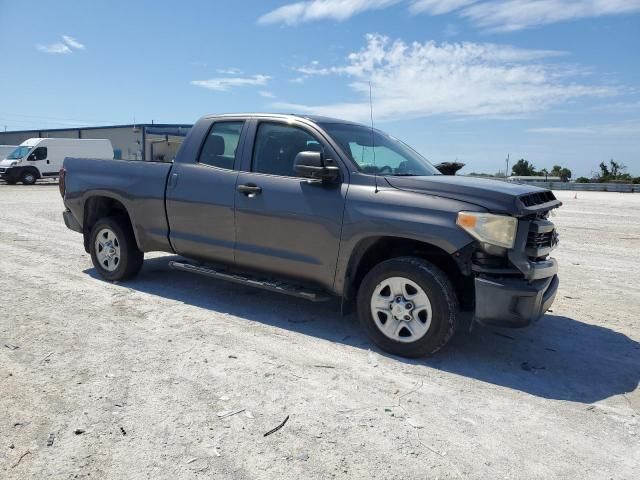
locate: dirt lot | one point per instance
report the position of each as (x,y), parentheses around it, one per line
(150,371)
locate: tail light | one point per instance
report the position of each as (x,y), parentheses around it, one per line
(61,184)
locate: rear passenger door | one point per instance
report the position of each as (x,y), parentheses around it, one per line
(201,196)
(285,224)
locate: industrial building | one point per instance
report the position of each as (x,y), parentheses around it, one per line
(147,141)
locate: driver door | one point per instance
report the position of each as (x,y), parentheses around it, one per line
(39,159)
(285,224)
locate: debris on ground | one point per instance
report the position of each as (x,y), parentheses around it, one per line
(51,439)
(277,428)
(414,423)
(248,414)
(122,430)
(78,431)
(20,459)
(229,413)
(11,346)
(371,358)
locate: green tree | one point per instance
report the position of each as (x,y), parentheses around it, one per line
(523,168)
(564,174)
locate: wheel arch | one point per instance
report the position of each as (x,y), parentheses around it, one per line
(370,251)
(101,206)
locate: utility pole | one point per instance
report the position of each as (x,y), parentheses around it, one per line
(506,172)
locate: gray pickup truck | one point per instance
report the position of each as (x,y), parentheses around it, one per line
(317,207)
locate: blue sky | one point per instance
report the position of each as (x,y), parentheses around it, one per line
(553,81)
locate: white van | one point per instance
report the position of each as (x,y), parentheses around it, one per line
(42,157)
(6,150)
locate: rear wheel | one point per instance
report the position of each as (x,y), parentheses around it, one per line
(114,252)
(408,307)
(28,177)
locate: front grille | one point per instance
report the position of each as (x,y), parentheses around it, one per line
(541,238)
(2,170)
(533,199)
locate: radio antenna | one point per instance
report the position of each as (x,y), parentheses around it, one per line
(373,145)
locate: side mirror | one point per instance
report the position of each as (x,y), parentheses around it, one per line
(312,165)
(32,157)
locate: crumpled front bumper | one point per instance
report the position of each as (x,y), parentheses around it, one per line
(513,302)
(519,297)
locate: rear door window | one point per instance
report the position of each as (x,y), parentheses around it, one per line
(221,146)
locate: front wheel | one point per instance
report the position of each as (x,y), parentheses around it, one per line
(28,177)
(114,252)
(408,307)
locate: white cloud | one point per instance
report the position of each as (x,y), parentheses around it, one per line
(72,42)
(54,48)
(510,15)
(230,71)
(266,94)
(623,128)
(67,45)
(438,7)
(494,15)
(223,84)
(310,10)
(456,79)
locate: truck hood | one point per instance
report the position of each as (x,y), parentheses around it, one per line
(495,195)
(6,163)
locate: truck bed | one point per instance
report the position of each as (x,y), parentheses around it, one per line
(137,185)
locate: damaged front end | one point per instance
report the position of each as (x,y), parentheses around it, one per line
(516,286)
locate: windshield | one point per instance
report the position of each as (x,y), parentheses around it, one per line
(378,153)
(19,153)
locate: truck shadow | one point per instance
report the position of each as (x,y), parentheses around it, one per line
(557,358)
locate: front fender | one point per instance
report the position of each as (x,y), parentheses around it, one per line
(399,214)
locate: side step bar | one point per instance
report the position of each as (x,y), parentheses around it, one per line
(258,282)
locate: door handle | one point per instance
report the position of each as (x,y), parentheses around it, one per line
(173,180)
(250,190)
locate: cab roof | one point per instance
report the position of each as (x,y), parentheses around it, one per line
(319,119)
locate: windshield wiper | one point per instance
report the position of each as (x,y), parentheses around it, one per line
(405,174)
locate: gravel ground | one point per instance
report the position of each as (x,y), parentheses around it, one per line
(175,376)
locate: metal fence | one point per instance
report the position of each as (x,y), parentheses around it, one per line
(578,187)
(589,187)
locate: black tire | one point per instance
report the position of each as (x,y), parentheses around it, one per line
(441,295)
(29,177)
(130,258)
